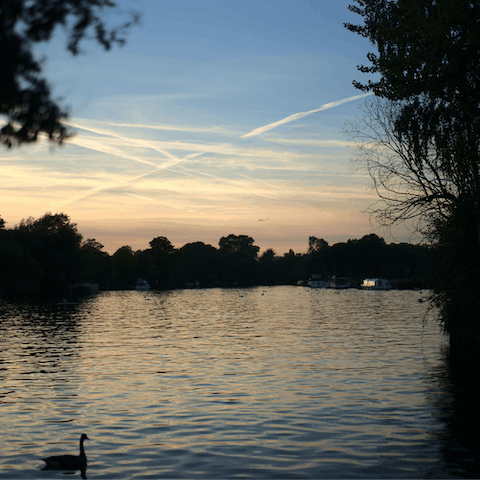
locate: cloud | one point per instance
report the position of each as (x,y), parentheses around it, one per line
(105,148)
(298,116)
(333,143)
(139,196)
(176,128)
(156,201)
(108,186)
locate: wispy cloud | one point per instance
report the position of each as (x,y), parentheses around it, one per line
(175,128)
(139,196)
(298,116)
(335,143)
(157,201)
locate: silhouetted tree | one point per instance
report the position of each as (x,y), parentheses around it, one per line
(95,263)
(54,242)
(20,273)
(269,271)
(157,263)
(198,262)
(429,64)
(316,245)
(25,95)
(238,254)
(124,275)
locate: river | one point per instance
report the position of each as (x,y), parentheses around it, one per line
(277,382)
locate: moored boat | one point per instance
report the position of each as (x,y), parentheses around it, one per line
(375,284)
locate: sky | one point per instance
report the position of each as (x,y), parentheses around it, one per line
(215,118)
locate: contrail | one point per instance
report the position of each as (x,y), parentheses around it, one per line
(109,186)
(139,196)
(297,116)
(156,201)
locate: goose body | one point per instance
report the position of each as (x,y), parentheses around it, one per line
(69,462)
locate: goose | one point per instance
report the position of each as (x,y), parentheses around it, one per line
(68,462)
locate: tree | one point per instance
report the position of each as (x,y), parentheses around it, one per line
(157,266)
(239,244)
(429,65)
(124,273)
(421,144)
(25,95)
(238,254)
(198,262)
(53,241)
(161,246)
(95,262)
(409,180)
(316,245)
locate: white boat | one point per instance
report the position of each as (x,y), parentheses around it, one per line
(376,284)
(142,285)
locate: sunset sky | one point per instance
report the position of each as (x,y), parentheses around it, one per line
(216,117)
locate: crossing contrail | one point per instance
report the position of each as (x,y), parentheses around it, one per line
(297,116)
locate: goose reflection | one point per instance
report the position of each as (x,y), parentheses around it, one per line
(69,462)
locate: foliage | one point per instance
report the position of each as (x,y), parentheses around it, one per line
(25,94)
(424,47)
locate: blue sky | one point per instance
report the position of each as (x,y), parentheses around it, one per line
(216,117)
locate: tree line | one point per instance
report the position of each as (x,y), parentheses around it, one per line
(43,257)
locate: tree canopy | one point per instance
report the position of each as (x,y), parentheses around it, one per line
(25,94)
(424,47)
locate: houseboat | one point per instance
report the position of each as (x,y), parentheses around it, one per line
(376,284)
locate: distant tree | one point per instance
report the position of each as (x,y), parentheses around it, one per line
(95,262)
(124,275)
(54,242)
(161,246)
(198,262)
(239,244)
(269,271)
(268,255)
(157,263)
(238,254)
(25,95)
(2,224)
(316,245)
(291,268)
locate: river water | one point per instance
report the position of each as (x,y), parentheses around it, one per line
(281,382)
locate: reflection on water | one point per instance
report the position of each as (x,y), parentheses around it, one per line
(219,383)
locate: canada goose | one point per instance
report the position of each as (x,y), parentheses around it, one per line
(68,462)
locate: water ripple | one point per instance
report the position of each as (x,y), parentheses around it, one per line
(295,383)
